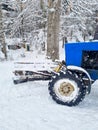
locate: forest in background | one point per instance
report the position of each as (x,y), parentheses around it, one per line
(27,21)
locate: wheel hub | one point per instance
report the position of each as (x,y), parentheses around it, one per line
(66,89)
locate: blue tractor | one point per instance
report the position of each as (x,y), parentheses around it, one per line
(73,78)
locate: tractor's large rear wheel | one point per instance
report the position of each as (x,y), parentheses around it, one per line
(67,89)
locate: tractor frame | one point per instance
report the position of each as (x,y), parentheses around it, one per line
(74,79)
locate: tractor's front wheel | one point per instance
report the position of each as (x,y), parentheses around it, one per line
(66,89)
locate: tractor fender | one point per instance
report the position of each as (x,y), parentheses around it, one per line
(76,68)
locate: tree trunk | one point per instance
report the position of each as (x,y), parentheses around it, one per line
(41,4)
(53,29)
(2,37)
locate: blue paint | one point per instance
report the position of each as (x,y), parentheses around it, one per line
(93,73)
(73,54)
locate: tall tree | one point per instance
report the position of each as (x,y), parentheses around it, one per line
(2,37)
(53,29)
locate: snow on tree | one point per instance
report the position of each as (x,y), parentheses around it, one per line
(78,15)
(29,17)
(74,14)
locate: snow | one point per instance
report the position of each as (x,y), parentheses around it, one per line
(71,67)
(52,10)
(28,106)
(1,56)
(13,41)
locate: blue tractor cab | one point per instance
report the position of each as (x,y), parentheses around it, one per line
(85,55)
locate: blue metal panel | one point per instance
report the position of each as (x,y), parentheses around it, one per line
(73,53)
(93,73)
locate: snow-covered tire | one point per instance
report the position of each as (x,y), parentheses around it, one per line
(66,89)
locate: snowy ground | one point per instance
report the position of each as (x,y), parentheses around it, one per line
(28,106)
